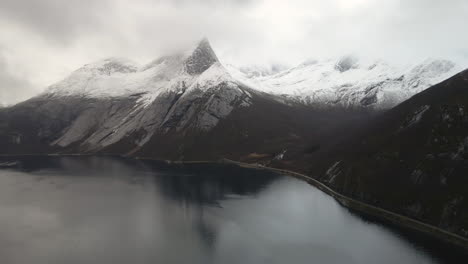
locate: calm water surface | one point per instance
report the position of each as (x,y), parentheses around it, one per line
(110,210)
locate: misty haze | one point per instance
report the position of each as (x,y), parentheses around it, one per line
(236,131)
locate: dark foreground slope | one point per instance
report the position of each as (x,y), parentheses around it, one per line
(412,160)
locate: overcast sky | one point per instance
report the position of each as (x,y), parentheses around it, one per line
(41,41)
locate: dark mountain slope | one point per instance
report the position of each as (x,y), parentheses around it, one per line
(260,132)
(412,159)
(32,127)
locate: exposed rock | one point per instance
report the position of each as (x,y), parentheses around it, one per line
(346,63)
(415,117)
(201,58)
(417,176)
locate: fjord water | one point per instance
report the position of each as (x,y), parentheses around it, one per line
(113,210)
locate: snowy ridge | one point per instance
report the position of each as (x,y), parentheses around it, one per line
(345,82)
(254,71)
(118,77)
(189,90)
(107,79)
(213,76)
(349,82)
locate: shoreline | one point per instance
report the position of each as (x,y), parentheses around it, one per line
(368,209)
(350,203)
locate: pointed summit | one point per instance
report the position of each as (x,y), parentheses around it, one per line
(201,58)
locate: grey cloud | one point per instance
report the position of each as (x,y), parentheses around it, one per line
(210,2)
(12,88)
(55,19)
(241,31)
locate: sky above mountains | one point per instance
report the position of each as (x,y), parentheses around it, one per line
(43,40)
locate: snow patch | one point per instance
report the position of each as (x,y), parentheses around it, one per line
(280,156)
(415,117)
(333,172)
(418,114)
(9,164)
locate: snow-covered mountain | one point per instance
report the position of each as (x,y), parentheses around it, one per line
(181,106)
(349,82)
(108,101)
(180,103)
(118,77)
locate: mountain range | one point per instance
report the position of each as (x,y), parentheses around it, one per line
(370,130)
(349,82)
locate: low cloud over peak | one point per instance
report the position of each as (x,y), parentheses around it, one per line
(43,40)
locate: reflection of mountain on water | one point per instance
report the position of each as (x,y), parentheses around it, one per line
(207,184)
(74,164)
(196,186)
(193,184)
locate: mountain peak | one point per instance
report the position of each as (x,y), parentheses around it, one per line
(201,59)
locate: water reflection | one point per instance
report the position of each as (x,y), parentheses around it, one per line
(109,210)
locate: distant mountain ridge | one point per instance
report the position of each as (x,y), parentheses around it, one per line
(347,82)
(351,83)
